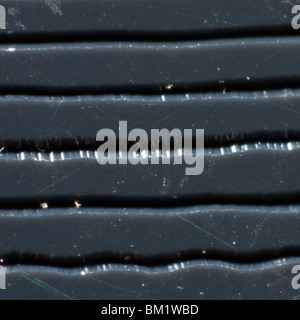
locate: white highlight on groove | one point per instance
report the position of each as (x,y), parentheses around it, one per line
(197,265)
(53,156)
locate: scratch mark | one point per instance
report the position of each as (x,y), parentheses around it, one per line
(208,233)
(111,285)
(55,113)
(61,179)
(45,286)
(160,120)
(288,2)
(282,107)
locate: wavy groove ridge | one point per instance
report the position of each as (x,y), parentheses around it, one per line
(186,280)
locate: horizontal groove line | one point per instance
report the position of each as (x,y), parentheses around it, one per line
(282,92)
(71,201)
(85,147)
(100,258)
(229,85)
(144,36)
(79,271)
(104,212)
(92,154)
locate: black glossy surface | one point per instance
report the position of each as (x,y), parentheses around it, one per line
(71,68)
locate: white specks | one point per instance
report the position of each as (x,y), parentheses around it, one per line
(82,273)
(144,154)
(91,154)
(11,49)
(163,98)
(248,78)
(77,204)
(169,86)
(44,205)
(164,182)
